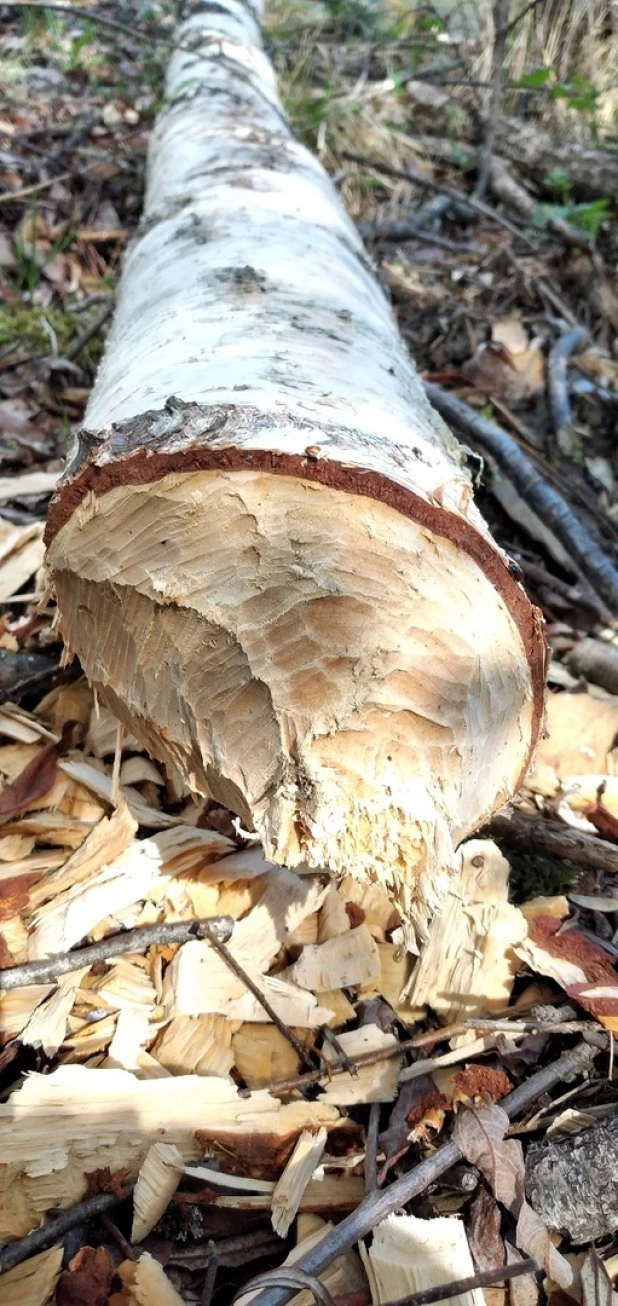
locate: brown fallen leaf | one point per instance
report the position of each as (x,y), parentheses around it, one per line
(479,1134)
(36,779)
(87,1280)
(484,1236)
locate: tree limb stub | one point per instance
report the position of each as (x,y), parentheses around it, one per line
(265,549)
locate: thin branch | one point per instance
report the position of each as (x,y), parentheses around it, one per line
(24,193)
(238,970)
(89,332)
(550,839)
(94,16)
(558,390)
(371,1150)
(52,1232)
(541,497)
(425,183)
(378,1205)
(145,936)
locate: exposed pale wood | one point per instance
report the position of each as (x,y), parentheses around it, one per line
(21,555)
(377,907)
(47,1025)
(408,1255)
(377,1083)
(145,1283)
(198,1045)
(337,1002)
(468,964)
(58,1128)
(157,1181)
(334,918)
(341,962)
(265,549)
(290,1187)
(334,1194)
(98,889)
(32,1283)
(199,981)
(263,1055)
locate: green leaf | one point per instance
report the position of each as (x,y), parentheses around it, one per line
(538,77)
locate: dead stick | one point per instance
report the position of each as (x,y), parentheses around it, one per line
(478,1024)
(535,834)
(50,1233)
(558,390)
(371,1150)
(417,179)
(145,936)
(484,1279)
(376,1206)
(234,965)
(541,497)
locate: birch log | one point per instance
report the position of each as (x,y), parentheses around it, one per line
(265,549)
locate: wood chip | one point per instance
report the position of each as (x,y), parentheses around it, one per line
(263,1055)
(32,1283)
(21,554)
(157,1181)
(145,1283)
(341,962)
(291,1186)
(468,963)
(377,1083)
(409,1255)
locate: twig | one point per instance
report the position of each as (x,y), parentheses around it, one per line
(500,11)
(510,191)
(94,16)
(550,506)
(90,331)
(558,390)
(411,230)
(24,193)
(234,965)
(230,1252)
(484,1279)
(426,183)
(371,1150)
(145,936)
(52,1232)
(549,839)
(344,1059)
(378,1205)
(123,1243)
(211,1275)
(476,1024)
(518,17)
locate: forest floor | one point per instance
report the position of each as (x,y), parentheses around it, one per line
(482,171)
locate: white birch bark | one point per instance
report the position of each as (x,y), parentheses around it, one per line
(265,548)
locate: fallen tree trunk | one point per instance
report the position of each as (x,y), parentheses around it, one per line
(264,547)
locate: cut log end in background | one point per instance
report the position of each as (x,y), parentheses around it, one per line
(265,549)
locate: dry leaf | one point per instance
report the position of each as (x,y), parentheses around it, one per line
(87,1280)
(479,1134)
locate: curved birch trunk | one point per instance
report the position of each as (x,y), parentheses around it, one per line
(264,548)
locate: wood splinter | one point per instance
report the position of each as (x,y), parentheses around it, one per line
(265,549)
